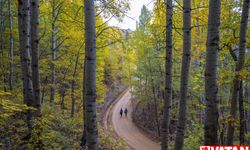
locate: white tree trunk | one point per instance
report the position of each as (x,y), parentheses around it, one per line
(35,52)
(168,77)
(2,27)
(90,75)
(11,52)
(242,114)
(83,140)
(211,73)
(184,74)
(53,52)
(24,45)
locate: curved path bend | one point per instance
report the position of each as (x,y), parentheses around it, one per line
(124,126)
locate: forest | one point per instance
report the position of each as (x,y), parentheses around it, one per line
(69,80)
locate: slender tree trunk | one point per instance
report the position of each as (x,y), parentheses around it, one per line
(24,44)
(211,73)
(34,9)
(230,129)
(1,41)
(155,109)
(53,52)
(43,90)
(11,53)
(242,114)
(62,94)
(63,90)
(35,66)
(155,100)
(239,66)
(168,77)
(83,140)
(90,75)
(35,52)
(179,140)
(42,97)
(72,98)
(2,45)
(247,112)
(73,86)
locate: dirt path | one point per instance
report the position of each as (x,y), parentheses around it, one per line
(126,129)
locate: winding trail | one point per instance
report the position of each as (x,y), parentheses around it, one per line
(124,126)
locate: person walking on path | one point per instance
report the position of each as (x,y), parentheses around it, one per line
(126,111)
(121,112)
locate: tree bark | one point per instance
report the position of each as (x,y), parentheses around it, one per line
(2,45)
(35,53)
(247,112)
(11,52)
(24,45)
(90,75)
(63,90)
(43,90)
(73,86)
(242,114)
(83,140)
(211,73)
(53,54)
(168,77)
(239,66)
(186,56)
